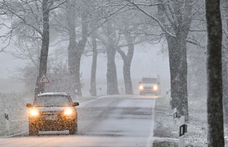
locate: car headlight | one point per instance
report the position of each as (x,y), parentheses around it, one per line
(141,87)
(34,113)
(155,88)
(68,112)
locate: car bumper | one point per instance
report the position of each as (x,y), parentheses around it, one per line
(149,91)
(52,125)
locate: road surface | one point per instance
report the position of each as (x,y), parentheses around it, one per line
(108,121)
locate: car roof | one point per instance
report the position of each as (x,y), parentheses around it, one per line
(53,93)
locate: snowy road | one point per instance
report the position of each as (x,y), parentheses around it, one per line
(109,121)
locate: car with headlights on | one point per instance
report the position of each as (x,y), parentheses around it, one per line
(149,85)
(53,111)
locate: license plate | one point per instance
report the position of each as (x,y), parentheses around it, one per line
(51,117)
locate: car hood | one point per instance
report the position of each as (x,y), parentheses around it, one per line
(148,85)
(50,108)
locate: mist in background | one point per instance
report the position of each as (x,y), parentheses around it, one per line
(148,61)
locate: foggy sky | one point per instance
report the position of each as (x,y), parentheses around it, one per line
(148,61)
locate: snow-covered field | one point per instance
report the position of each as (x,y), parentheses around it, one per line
(17,114)
(167,131)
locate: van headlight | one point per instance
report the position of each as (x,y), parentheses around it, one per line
(141,87)
(155,87)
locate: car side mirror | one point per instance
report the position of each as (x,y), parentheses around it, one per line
(75,104)
(29,105)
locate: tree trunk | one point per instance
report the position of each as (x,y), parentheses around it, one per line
(127,63)
(183,68)
(80,48)
(127,77)
(77,72)
(70,15)
(214,73)
(174,60)
(45,46)
(75,49)
(177,50)
(225,83)
(112,85)
(174,55)
(224,11)
(93,88)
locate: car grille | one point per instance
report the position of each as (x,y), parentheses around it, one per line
(50,112)
(50,115)
(147,88)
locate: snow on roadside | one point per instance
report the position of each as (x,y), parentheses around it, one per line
(17,114)
(197,125)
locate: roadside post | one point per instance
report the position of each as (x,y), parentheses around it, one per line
(182,131)
(175,115)
(7,120)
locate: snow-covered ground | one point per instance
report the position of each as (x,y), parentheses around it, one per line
(108,121)
(17,114)
(167,131)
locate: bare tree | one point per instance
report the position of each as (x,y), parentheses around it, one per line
(127,26)
(34,18)
(131,28)
(180,20)
(112,85)
(47,6)
(214,74)
(96,21)
(71,21)
(75,49)
(93,86)
(175,20)
(127,58)
(110,18)
(45,44)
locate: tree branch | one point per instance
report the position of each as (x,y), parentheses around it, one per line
(194,43)
(121,52)
(14,13)
(155,19)
(57,6)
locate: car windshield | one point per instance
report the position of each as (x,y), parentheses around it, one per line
(149,80)
(52,101)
